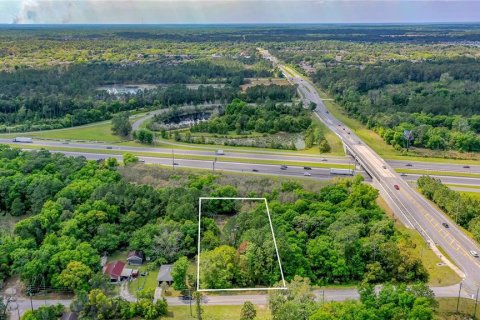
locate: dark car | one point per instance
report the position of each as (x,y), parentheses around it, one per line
(307,168)
(396,186)
(409,165)
(466,167)
(445,225)
(255,170)
(283,167)
(109,147)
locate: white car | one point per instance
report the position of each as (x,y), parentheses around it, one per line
(307,174)
(474,253)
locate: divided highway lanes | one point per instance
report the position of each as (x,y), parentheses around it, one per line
(407,204)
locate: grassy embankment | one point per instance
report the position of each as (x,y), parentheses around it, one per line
(216,312)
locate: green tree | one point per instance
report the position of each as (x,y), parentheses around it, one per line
(129,158)
(75,276)
(298,302)
(218,268)
(248,311)
(121,125)
(324,146)
(179,273)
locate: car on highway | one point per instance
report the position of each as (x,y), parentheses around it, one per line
(175,163)
(409,165)
(466,167)
(283,167)
(474,253)
(141,160)
(324,159)
(445,225)
(396,186)
(307,174)
(109,148)
(307,168)
(403,174)
(255,170)
(384,167)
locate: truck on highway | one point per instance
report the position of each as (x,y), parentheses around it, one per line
(23,140)
(343,172)
(220,152)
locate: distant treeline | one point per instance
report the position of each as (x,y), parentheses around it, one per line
(439,101)
(63,96)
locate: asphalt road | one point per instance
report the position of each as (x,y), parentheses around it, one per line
(408,205)
(100,148)
(266,169)
(23,304)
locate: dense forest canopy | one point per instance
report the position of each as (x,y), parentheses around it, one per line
(336,235)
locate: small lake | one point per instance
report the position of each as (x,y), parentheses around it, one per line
(119,89)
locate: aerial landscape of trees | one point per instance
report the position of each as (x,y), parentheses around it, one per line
(415,86)
(94,209)
(428,89)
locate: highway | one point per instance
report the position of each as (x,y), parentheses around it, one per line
(408,205)
(231,159)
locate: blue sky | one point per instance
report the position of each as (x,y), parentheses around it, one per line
(238,11)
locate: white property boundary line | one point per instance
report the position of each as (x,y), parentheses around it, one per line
(274,242)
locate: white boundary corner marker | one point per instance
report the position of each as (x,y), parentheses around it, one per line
(274,242)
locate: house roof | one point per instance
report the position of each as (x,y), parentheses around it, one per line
(165,273)
(114,269)
(135,254)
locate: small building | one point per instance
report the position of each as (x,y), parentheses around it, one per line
(114,270)
(135,258)
(165,274)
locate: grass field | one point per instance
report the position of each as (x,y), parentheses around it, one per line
(100,131)
(447,308)
(439,173)
(215,313)
(438,275)
(475,195)
(468,186)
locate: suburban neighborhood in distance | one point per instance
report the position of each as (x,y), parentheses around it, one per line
(302,161)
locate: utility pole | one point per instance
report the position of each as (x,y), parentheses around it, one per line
(459,290)
(476,300)
(190,298)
